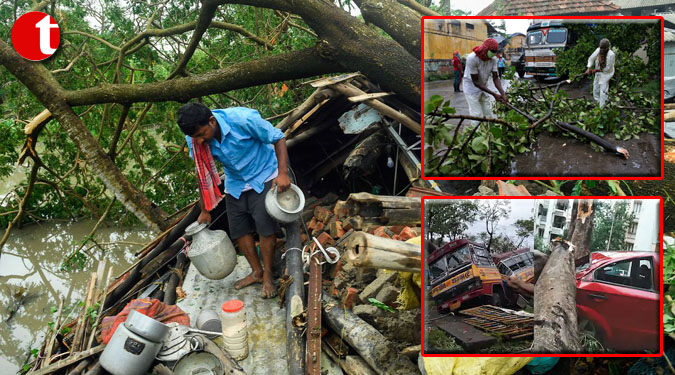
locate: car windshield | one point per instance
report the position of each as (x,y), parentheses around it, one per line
(556,36)
(458,258)
(438,268)
(534,38)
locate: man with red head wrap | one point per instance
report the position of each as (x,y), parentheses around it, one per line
(480,65)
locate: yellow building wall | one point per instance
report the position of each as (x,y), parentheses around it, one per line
(439,44)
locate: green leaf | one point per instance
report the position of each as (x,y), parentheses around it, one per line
(479,144)
(496,132)
(522,149)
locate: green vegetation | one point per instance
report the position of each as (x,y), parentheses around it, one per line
(632,108)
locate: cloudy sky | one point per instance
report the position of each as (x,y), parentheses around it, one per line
(520,209)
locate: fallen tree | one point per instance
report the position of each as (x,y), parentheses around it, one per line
(555,310)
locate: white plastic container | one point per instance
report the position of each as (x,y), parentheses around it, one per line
(235,333)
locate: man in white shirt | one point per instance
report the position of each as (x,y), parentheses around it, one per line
(603,60)
(480,65)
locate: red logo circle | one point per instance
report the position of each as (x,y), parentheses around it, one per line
(35,36)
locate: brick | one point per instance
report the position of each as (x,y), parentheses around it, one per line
(387,295)
(318,228)
(373,288)
(312,224)
(325,239)
(335,229)
(367,312)
(381,232)
(396,229)
(407,233)
(350,298)
(321,213)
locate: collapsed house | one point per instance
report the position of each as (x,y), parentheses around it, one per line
(353,151)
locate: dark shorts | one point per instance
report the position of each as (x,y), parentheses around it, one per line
(248,215)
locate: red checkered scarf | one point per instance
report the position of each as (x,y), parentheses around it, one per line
(207,175)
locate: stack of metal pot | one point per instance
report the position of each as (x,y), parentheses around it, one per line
(134,345)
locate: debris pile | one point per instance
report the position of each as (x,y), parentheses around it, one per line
(372,311)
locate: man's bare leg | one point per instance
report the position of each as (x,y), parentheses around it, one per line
(267,245)
(247,246)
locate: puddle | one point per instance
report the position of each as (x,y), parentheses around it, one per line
(564,156)
(31,282)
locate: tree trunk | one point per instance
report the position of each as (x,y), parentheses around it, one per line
(581,228)
(373,347)
(555,312)
(42,84)
(400,22)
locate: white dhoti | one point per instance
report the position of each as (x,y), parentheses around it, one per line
(600,90)
(479,106)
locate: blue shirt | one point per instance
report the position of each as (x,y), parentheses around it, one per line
(501,62)
(246,148)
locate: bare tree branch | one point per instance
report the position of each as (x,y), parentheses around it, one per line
(206,14)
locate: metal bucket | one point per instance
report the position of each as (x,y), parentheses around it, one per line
(286,206)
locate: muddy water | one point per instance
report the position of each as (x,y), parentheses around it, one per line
(31,282)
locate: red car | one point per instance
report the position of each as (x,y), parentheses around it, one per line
(618,300)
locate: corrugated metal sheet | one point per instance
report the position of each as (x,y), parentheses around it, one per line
(266,321)
(627,4)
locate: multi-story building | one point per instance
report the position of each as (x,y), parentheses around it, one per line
(643,233)
(552,217)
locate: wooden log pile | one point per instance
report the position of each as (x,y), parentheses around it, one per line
(362,328)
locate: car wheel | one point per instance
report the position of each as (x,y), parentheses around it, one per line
(588,328)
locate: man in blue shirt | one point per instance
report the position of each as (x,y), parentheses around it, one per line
(254,157)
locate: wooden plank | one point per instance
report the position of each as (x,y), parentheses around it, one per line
(467,336)
(364,97)
(333,80)
(304,118)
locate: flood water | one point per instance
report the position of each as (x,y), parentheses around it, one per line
(31,282)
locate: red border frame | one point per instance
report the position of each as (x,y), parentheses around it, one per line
(548,354)
(537,177)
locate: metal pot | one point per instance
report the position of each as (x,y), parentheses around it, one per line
(208,320)
(286,206)
(211,251)
(128,353)
(146,327)
(198,363)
